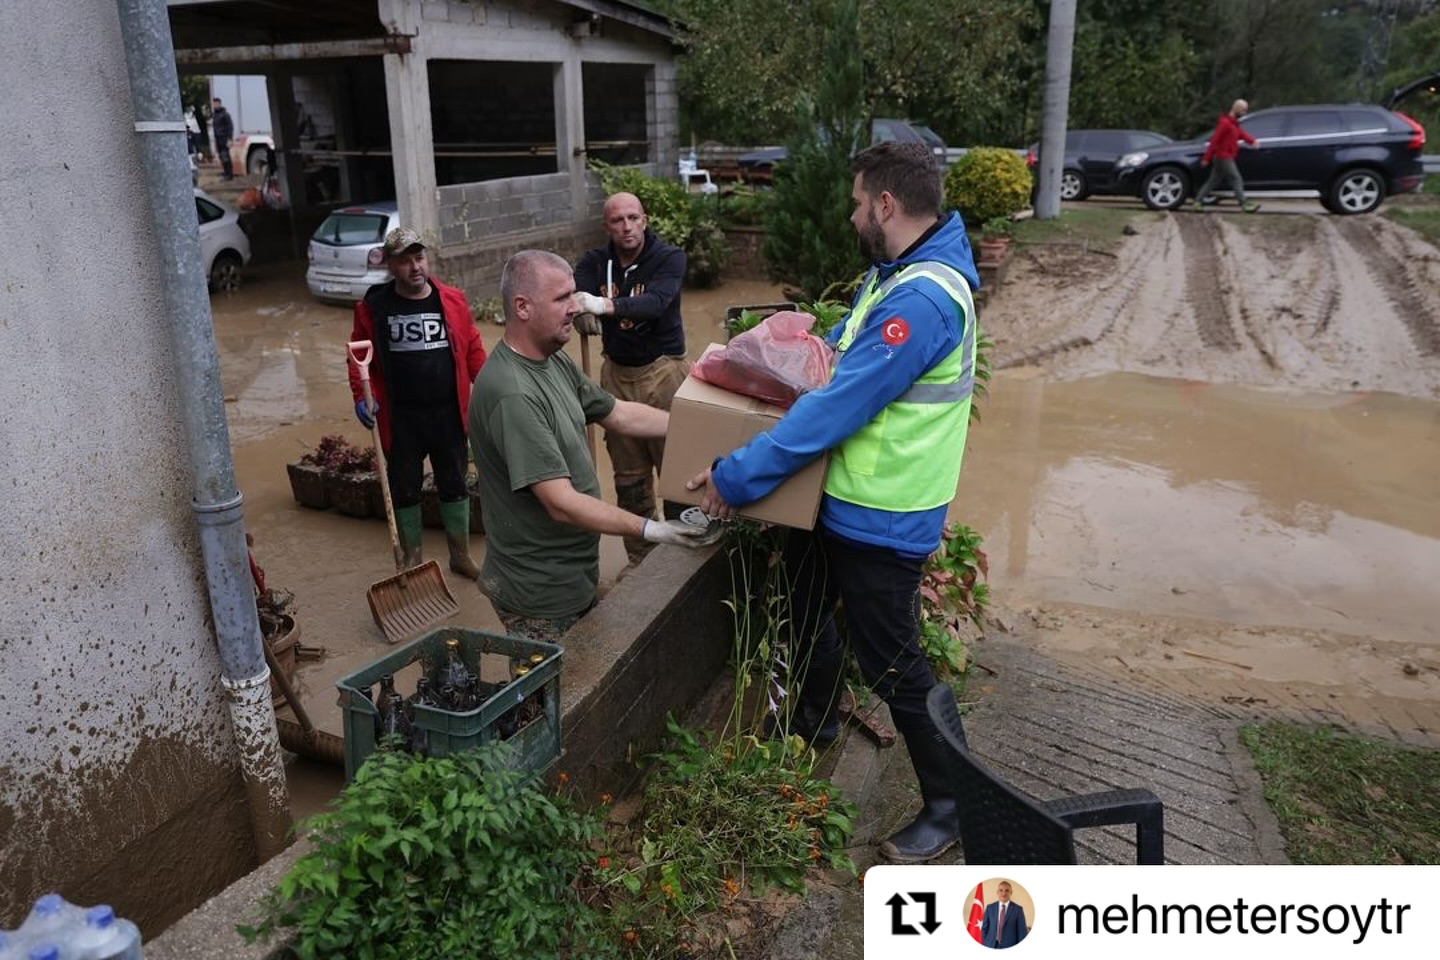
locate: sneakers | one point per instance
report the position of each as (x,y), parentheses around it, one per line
(1250,207)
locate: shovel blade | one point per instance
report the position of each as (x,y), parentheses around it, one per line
(410,601)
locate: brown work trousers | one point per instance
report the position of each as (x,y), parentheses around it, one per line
(636,461)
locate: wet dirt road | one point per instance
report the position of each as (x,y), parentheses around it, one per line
(1210,463)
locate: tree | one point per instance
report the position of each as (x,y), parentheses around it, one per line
(809,243)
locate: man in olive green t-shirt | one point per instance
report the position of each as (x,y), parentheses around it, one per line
(538,488)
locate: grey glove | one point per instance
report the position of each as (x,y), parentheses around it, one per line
(589,303)
(673,531)
(588,324)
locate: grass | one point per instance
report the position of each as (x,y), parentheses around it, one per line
(1420,212)
(1097,227)
(1343,799)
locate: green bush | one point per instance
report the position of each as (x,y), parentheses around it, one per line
(689,221)
(439,858)
(986,183)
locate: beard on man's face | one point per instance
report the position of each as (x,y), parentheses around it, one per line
(871,239)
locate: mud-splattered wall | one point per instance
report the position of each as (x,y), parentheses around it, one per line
(117,781)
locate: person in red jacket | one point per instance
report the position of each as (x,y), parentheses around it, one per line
(1223,148)
(427,353)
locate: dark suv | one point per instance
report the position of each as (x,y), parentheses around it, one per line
(1352,153)
(1090,157)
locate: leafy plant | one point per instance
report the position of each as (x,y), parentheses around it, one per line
(997,228)
(950,594)
(338,455)
(744,206)
(986,183)
(442,858)
(690,222)
(746,810)
(827,313)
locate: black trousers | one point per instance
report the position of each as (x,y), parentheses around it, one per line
(880,591)
(418,432)
(223,149)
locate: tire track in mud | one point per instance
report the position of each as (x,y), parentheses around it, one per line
(1102,310)
(1205,282)
(1392,274)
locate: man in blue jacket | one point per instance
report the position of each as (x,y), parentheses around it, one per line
(894,418)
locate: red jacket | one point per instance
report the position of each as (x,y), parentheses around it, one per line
(1225,141)
(465,346)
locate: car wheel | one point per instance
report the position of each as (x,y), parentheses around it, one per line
(1356,191)
(255,163)
(1073,186)
(225,273)
(1164,188)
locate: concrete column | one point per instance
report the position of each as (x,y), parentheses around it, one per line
(570,128)
(285,130)
(407,92)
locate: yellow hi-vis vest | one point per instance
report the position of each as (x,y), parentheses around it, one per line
(907,458)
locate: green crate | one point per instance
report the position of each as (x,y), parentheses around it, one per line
(536,746)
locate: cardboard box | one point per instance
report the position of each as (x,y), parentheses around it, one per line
(708,422)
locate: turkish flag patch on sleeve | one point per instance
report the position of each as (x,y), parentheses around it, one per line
(895,331)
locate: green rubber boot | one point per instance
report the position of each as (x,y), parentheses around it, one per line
(455,517)
(408,526)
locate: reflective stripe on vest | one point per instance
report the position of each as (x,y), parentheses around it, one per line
(908,457)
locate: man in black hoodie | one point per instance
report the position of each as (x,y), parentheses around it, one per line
(632,286)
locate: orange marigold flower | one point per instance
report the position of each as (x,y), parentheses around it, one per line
(814,853)
(606,799)
(860,879)
(631,936)
(668,890)
(562,778)
(732,886)
(603,863)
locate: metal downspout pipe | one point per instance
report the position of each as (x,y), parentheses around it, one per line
(155,96)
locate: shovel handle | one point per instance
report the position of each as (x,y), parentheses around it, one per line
(361,352)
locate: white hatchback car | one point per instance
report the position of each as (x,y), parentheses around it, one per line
(347,250)
(224,248)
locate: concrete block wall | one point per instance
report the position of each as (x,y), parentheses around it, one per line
(535,212)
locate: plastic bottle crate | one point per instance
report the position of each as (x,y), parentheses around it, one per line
(537,745)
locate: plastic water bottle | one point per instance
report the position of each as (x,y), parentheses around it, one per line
(51,921)
(105,937)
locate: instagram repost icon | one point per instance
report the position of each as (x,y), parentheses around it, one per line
(999,911)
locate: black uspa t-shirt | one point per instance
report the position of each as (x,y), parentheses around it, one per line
(419,366)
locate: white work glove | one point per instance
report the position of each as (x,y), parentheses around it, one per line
(588,324)
(673,531)
(591,304)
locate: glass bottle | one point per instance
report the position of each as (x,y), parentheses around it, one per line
(453,670)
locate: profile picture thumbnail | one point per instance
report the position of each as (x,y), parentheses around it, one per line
(999,911)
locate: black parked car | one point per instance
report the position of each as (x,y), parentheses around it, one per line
(1354,154)
(757,166)
(1090,157)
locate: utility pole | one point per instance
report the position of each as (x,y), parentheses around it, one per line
(1057,106)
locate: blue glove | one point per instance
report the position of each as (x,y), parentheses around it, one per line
(365,413)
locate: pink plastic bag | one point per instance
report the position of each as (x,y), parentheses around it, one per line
(776,361)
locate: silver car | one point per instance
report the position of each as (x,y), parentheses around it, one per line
(224,246)
(346,252)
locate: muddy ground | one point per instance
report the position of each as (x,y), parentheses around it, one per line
(1208,461)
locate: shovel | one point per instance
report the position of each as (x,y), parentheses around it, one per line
(417,597)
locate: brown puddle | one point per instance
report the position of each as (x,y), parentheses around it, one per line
(1212,501)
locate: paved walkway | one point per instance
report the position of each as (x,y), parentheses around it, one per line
(1053,729)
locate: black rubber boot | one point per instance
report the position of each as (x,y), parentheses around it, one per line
(937,826)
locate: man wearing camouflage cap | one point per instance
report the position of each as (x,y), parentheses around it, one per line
(427,353)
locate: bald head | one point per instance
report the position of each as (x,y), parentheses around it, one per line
(625,222)
(1239,108)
